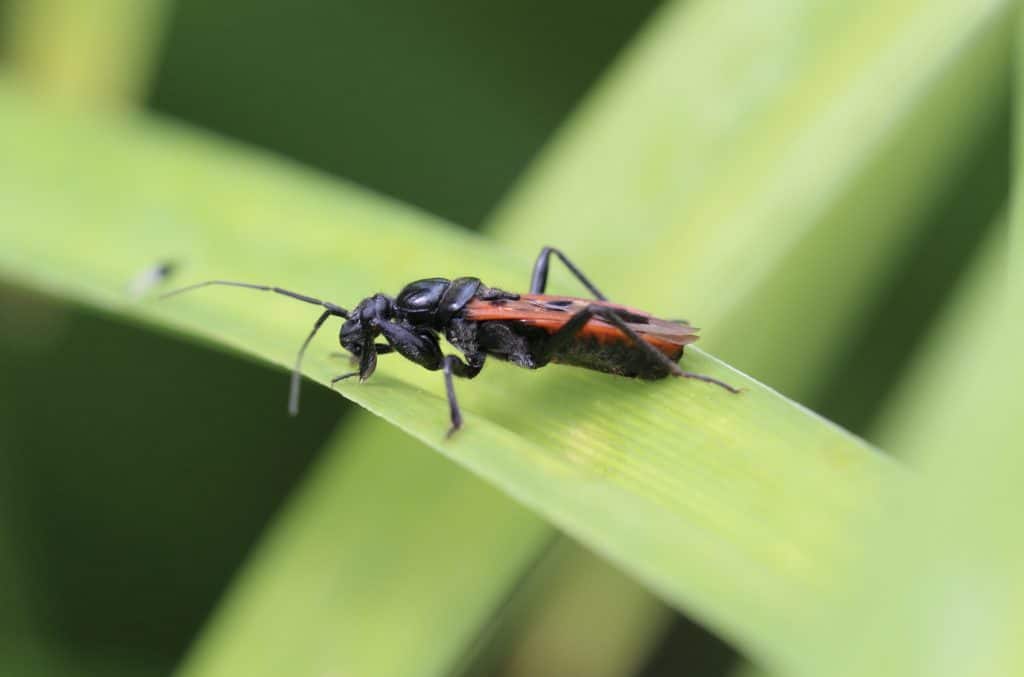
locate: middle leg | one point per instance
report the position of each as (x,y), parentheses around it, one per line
(453,366)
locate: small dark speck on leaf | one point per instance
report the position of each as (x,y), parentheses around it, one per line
(150,277)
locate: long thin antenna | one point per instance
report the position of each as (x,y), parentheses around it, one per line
(336,310)
(331,310)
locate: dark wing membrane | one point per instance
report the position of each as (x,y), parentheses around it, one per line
(552,312)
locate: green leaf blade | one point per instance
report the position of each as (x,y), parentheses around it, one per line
(348,501)
(646,473)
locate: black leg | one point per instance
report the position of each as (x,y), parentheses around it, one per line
(565,334)
(343,377)
(539,281)
(367,361)
(420,347)
(453,366)
(571,328)
(381,348)
(708,379)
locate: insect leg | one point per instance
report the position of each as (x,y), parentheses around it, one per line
(343,377)
(367,361)
(381,348)
(421,348)
(609,315)
(565,334)
(453,366)
(571,328)
(539,281)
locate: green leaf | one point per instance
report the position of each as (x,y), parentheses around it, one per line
(934,593)
(910,425)
(583,616)
(939,592)
(362,500)
(701,494)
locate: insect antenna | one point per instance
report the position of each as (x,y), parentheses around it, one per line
(331,310)
(338,310)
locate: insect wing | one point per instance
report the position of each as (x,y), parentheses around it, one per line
(552,312)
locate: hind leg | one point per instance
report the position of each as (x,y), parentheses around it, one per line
(572,328)
(539,280)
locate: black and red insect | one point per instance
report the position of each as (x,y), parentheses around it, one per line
(528,330)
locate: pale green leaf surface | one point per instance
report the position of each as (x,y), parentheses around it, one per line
(949,567)
(932,574)
(356,589)
(940,595)
(701,494)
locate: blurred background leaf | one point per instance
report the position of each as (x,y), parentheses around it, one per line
(441,104)
(948,563)
(92,54)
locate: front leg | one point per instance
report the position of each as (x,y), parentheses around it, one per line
(367,360)
(424,350)
(420,348)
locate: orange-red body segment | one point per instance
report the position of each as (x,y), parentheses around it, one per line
(552,312)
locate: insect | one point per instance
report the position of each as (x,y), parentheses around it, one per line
(528,330)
